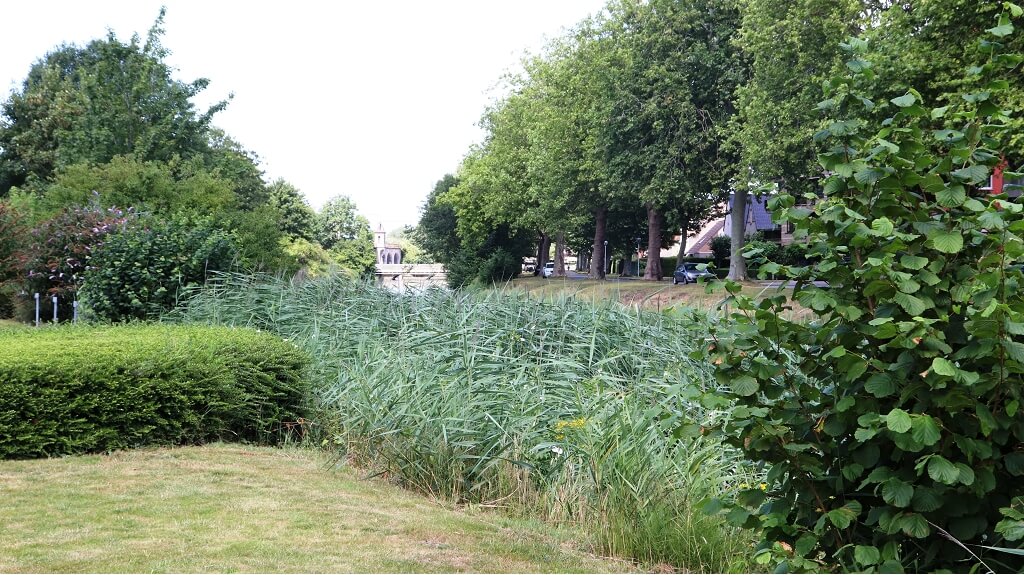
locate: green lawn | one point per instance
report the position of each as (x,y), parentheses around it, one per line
(231,508)
(11,324)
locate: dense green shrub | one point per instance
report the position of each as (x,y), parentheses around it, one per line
(11,231)
(721,249)
(891,423)
(500,266)
(668,265)
(85,389)
(137,272)
(756,249)
(794,255)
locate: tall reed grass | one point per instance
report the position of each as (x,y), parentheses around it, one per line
(575,412)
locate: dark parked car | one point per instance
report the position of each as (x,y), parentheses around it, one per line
(689,272)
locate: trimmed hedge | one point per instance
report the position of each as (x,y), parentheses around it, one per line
(86,389)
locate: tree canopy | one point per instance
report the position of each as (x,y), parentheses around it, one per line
(107,127)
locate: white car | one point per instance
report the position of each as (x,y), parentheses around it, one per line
(549,270)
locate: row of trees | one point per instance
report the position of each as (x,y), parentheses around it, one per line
(641,120)
(102,137)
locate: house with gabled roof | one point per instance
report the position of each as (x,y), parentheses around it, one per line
(758,221)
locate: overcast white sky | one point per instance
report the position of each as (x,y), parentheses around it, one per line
(376,100)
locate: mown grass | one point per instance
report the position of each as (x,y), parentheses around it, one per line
(576,413)
(10,325)
(233,508)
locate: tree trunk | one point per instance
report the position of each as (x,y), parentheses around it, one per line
(737,265)
(682,240)
(597,263)
(542,253)
(560,254)
(655,220)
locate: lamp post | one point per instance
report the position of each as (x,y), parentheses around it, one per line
(605,258)
(638,257)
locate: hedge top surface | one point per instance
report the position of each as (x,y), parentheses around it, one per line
(74,389)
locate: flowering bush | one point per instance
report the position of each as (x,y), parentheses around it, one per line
(54,260)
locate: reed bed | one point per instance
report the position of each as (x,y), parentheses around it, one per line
(574,412)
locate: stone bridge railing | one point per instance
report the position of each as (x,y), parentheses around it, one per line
(405,276)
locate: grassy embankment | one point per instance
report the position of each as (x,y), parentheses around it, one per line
(232,508)
(657,296)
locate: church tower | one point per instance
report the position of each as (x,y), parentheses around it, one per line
(380,242)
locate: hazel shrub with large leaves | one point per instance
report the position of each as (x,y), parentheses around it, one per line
(890,425)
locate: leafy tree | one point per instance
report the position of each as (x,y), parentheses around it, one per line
(311,259)
(675,84)
(411,252)
(792,48)
(485,222)
(436,231)
(138,271)
(560,175)
(890,424)
(346,235)
(257,238)
(228,160)
(148,185)
(88,105)
(297,219)
(11,231)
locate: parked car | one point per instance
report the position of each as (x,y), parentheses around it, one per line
(690,273)
(549,270)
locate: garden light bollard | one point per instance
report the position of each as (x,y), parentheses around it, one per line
(37,308)
(605,258)
(54,309)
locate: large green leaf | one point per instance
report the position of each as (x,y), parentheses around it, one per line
(914,525)
(898,421)
(926,500)
(1012,530)
(897,492)
(904,101)
(925,430)
(1005,27)
(869,175)
(880,385)
(943,366)
(1014,349)
(971,174)
(909,303)
(744,385)
(949,242)
(881,227)
(804,544)
(844,516)
(867,554)
(940,469)
(952,196)
(913,262)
